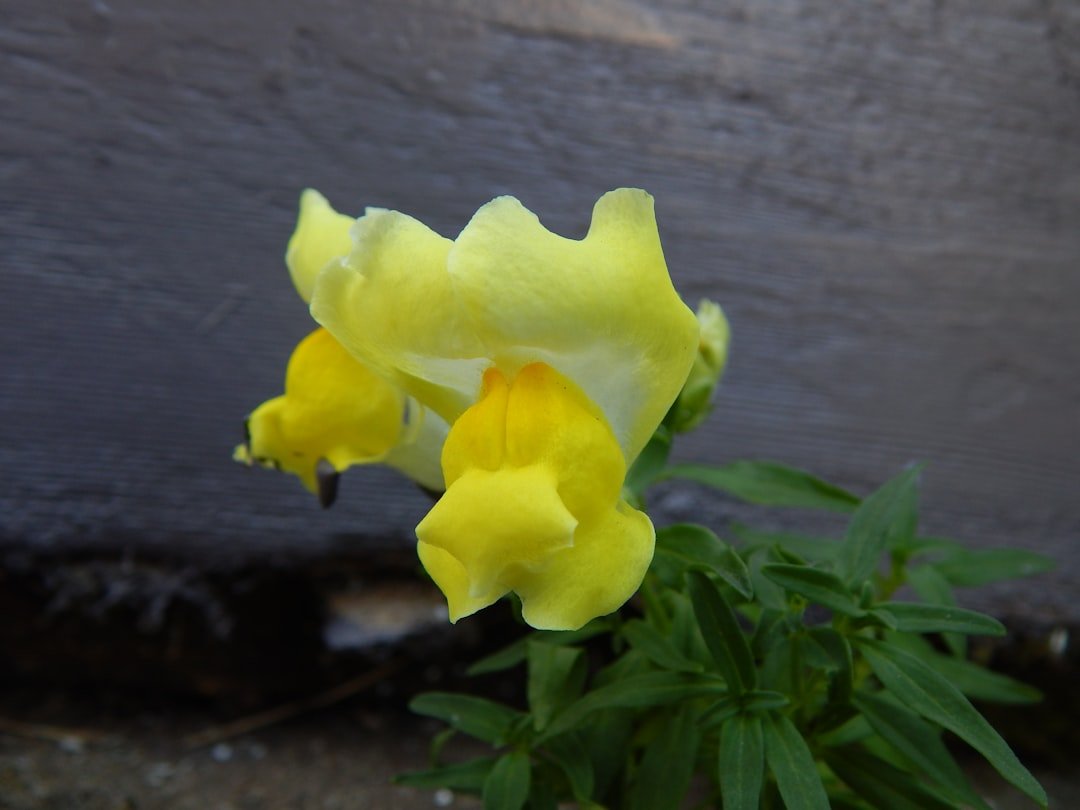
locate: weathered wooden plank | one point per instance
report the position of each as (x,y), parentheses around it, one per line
(885,197)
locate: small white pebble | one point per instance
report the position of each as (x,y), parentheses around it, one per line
(444,797)
(222,752)
(71,745)
(1058,641)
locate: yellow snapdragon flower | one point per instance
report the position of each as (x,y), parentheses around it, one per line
(336,411)
(554,360)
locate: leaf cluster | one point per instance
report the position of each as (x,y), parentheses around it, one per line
(778,671)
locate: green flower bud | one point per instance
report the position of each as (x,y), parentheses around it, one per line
(695,399)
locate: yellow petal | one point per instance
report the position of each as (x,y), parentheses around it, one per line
(321,235)
(496,522)
(453,580)
(534,476)
(550,421)
(333,408)
(602,311)
(432,315)
(419,447)
(391,303)
(596,576)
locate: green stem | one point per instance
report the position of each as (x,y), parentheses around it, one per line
(654,606)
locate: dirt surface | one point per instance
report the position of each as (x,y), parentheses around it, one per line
(65,752)
(339,758)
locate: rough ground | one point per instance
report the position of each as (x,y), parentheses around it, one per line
(341,758)
(62,752)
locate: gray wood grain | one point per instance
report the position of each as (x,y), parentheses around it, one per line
(884,196)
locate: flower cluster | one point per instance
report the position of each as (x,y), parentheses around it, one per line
(519,371)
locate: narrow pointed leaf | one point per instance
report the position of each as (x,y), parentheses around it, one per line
(657,647)
(934,589)
(792,765)
(571,756)
(886,519)
(918,686)
(974,568)
(668,764)
(722,633)
(507,786)
(918,742)
(556,677)
(885,786)
(839,650)
(475,716)
(912,617)
(686,546)
(513,654)
(466,776)
(815,548)
(634,692)
(500,660)
(768,484)
(742,762)
(972,680)
(820,587)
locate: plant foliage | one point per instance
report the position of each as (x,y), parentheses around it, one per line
(781,671)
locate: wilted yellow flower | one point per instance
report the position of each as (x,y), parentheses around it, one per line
(554,360)
(695,399)
(336,411)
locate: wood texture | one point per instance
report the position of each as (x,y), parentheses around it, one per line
(884,196)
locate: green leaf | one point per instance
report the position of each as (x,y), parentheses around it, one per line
(650,462)
(767,483)
(513,654)
(634,692)
(885,786)
(509,656)
(507,786)
(768,593)
(759,701)
(686,546)
(973,680)
(607,738)
(464,776)
(820,587)
(657,647)
(475,716)
(912,617)
(572,758)
(815,548)
(921,744)
(541,796)
(722,634)
(922,689)
(556,678)
(793,766)
(668,763)
(934,589)
(854,729)
(886,519)
(742,762)
(839,650)
(981,567)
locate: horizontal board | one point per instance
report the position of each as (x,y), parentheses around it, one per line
(883,196)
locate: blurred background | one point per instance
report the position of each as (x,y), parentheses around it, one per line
(884,197)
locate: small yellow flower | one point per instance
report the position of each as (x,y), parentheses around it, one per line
(695,399)
(336,411)
(554,360)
